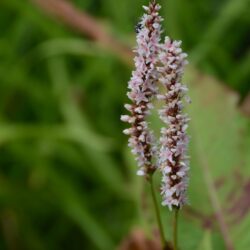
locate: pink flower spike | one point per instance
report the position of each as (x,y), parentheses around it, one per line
(173,138)
(143,88)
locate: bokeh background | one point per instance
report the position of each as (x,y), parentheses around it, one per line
(67,178)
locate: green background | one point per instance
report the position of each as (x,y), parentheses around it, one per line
(67,178)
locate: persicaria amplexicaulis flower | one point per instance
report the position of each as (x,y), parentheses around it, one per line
(142,88)
(159,63)
(173,159)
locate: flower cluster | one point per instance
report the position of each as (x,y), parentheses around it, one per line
(155,63)
(142,88)
(174,140)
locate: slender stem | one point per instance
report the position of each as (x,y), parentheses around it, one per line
(157,211)
(175,228)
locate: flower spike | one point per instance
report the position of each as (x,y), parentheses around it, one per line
(173,159)
(143,88)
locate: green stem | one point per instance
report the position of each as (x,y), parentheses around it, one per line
(175,228)
(157,212)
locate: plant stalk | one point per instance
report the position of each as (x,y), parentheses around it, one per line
(175,228)
(157,212)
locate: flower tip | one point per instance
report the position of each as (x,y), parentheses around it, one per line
(156,25)
(127,131)
(140,172)
(128,107)
(125,118)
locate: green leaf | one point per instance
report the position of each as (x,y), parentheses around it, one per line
(206,243)
(216,150)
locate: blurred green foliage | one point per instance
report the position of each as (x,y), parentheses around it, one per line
(67,179)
